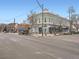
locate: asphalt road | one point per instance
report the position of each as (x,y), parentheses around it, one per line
(13,46)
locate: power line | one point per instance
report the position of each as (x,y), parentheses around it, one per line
(11,19)
(39,4)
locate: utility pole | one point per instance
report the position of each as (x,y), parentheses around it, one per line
(42,19)
(14,21)
(42,7)
(14,24)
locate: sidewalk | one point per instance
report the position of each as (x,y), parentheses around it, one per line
(70,38)
(40,35)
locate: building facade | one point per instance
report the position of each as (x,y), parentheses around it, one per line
(47,22)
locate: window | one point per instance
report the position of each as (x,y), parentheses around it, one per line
(35,21)
(49,19)
(45,19)
(39,20)
(50,30)
(40,30)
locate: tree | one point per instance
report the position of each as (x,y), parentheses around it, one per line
(71,12)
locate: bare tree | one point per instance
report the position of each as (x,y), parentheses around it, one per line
(77,18)
(71,12)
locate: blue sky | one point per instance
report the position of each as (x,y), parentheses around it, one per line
(20,9)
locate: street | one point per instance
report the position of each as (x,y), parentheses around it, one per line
(14,46)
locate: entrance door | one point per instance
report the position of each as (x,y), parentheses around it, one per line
(40,30)
(50,30)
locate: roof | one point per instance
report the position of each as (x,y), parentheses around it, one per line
(31,17)
(23,25)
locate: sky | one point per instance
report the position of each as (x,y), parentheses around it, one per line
(20,9)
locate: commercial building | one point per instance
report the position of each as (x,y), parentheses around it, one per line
(48,23)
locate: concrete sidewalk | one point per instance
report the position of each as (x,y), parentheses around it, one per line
(71,38)
(39,35)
